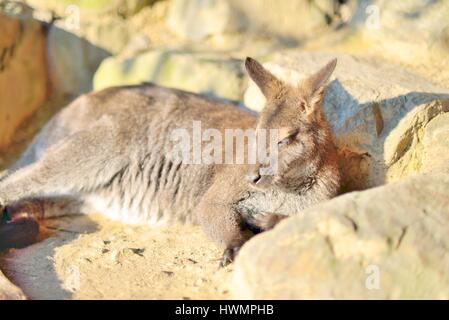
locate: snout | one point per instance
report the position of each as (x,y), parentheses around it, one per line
(257,179)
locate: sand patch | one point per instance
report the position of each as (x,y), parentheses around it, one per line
(95,258)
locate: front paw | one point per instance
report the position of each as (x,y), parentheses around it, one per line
(229,256)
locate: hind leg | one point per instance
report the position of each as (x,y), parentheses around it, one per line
(20,222)
(18,233)
(47,208)
(21,233)
(82,163)
(19,227)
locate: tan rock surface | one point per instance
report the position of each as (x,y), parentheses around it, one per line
(23,73)
(201,73)
(385,243)
(8,291)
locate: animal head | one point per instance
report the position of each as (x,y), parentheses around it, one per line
(304,140)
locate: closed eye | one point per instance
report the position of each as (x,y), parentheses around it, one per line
(284,142)
(289,139)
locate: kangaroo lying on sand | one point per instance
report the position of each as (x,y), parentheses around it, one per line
(105,153)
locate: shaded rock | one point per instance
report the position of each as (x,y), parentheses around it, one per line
(23,73)
(377,111)
(201,73)
(72,62)
(102,23)
(390,242)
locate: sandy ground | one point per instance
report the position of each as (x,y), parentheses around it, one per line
(90,257)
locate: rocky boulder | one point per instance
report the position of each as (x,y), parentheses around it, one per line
(389,242)
(435,144)
(202,73)
(103,23)
(123,8)
(379,114)
(72,62)
(23,73)
(409,30)
(198,19)
(8,291)
(71,58)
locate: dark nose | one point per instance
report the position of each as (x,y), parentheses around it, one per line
(253,177)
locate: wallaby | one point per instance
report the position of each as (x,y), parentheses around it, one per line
(106,152)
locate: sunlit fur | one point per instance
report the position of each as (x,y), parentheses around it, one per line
(105,152)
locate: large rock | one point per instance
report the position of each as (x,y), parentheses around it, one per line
(390,242)
(111,34)
(411,30)
(378,112)
(71,59)
(23,73)
(103,23)
(197,19)
(72,62)
(123,8)
(8,291)
(201,73)
(435,144)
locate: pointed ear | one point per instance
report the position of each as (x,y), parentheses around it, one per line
(315,85)
(267,82)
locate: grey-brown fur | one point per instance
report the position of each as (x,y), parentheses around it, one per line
(107,149)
